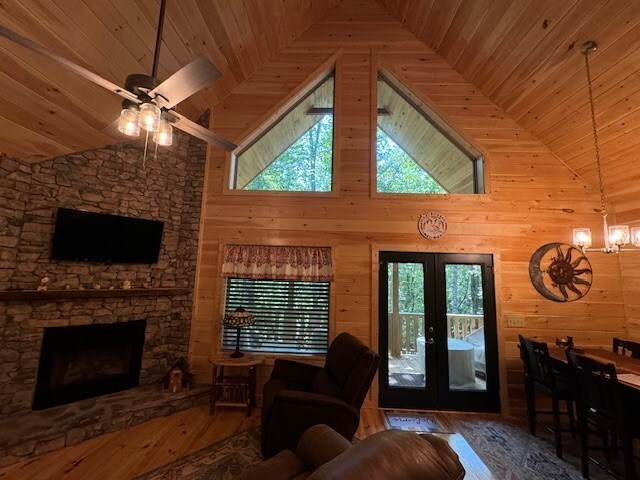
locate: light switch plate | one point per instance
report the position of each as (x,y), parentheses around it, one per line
(515,321)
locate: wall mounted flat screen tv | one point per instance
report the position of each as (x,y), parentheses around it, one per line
(98,237)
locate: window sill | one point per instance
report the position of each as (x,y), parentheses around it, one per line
(270,358)
(277,193)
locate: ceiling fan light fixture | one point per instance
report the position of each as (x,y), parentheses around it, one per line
(164,134)
(149,117)
(128,122)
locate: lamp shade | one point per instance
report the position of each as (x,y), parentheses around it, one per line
(582,237)
(148,117)
(164,135)
(619,235)
(128,122)
(238,318)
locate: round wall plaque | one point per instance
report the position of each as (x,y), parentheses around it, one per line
(432,225)
(560,272)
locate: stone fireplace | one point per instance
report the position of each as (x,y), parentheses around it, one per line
(83,294)
(88,361)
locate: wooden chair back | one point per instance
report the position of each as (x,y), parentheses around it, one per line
(537,363)
(624,347)
(598,390)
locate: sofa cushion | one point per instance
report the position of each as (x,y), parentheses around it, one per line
(320,444)
(394,455)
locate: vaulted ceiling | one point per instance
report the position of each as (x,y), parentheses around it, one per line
(46,111)
(523,54)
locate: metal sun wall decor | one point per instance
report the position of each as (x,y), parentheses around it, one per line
(563,268)
(432,225)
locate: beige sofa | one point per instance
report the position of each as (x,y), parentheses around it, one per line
(323,454)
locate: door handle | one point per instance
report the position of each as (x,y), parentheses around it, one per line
(430,341)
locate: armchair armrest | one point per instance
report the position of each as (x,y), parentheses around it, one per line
(319,445)
(294,371)
(296,397)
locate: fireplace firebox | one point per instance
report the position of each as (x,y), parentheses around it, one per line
(88,361)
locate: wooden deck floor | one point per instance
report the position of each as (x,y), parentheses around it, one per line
(124,454)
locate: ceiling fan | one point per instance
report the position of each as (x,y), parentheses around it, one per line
(148,104)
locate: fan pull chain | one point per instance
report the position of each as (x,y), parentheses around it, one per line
(144,158)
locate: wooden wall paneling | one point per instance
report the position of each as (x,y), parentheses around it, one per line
(533,198)
(569,74)
(525,56)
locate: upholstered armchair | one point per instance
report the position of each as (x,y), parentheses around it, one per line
(298,395)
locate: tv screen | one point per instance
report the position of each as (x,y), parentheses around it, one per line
(98,237)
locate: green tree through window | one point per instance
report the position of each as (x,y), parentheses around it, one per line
(304,166)
(398,172)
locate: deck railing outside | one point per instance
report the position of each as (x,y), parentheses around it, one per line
(407,327)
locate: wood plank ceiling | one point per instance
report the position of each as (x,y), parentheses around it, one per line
(46,111)
(525,56)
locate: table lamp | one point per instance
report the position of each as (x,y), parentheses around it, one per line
(237,319)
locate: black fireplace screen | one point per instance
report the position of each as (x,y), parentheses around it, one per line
(87,361)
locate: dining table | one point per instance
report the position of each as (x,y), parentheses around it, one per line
(627,368)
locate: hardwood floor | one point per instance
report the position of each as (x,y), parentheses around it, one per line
(124,454)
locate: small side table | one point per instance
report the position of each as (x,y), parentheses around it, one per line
(233,390)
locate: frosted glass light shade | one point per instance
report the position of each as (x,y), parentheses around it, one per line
(635,236)
(582,237)
(619,235)
(128,122)
(149,117)
(164,134)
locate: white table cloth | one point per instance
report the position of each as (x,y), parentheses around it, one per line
(460,354)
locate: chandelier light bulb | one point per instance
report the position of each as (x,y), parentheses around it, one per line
(149,117)
(164,134)
(635,236)
(619,235)
(582,237)
(128,122)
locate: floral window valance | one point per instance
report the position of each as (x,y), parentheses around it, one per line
(311,264)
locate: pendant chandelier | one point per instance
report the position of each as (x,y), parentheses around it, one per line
(615,236)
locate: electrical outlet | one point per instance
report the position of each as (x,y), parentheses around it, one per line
(515,321)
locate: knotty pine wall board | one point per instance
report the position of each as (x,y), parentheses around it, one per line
(533,197)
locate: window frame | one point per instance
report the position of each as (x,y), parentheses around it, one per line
(331,68)
(424,108)
(277,354)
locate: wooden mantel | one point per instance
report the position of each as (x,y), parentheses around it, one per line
(49,295)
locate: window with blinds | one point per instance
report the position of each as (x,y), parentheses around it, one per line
(290,316)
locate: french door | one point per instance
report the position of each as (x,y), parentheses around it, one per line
(437,331)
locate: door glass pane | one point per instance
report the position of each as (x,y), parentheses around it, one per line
(406,354)
(465,327)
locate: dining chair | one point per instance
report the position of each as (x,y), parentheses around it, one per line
(541,376)
(601,403)
(624,346)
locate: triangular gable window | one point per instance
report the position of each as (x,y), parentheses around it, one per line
(415,153)
(295,153)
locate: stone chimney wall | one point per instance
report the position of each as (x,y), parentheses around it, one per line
(107,180)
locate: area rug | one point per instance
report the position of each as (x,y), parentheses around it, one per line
(512,453)
(413,422)
(223,460)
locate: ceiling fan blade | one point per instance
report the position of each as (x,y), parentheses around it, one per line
(83,72)
(198,131)
(185,82)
